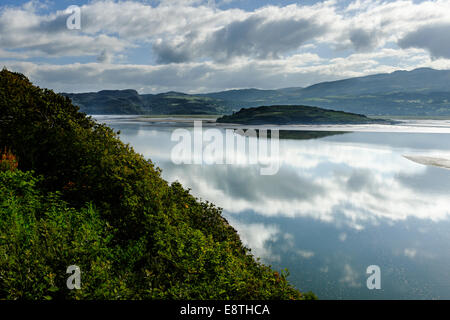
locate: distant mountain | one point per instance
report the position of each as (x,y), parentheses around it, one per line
(420,92)
(287,114)
(130,102)
(249,97)
(108,101)
(418,80)
(181,103)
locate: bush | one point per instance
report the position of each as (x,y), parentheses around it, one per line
(40,236)
(8,161)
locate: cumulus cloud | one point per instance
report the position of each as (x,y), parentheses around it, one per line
(435,39)
(199,46)
(24,30)
(257,36)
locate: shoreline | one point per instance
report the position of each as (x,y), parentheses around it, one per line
(405,126)
(430,161)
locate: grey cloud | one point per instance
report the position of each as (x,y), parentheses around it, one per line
(363,180)
(363,40)
(170,54)
(55,25)
(48,35)
(104,57)
(359,180)
(425,181)
(255,36)
(435,39)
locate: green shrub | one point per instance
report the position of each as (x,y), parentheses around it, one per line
(40,236)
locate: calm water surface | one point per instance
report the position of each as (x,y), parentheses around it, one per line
(336,205)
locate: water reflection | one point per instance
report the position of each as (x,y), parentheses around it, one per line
(337,205)
(334,181)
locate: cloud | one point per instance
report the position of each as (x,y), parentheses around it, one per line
(23,30)
(256,36)
(350,277)
(305,254)
(104,57)
(435,39)
(410,253)
(363,40)
(257,236)
(324,269)
(296,70)
(195,46)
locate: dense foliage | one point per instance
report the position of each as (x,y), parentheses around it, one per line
(81,197)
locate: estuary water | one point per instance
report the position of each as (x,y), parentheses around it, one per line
(338,203)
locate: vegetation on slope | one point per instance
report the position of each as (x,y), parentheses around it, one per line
(130,102)
(294,115)
(71,193)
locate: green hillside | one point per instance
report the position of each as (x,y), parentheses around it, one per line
(130,102)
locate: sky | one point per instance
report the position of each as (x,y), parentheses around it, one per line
(198,46)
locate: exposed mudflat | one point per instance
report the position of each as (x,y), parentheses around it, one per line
(430,161)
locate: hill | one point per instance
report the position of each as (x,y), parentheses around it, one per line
(288,114)
(420,92)
(71,193)
(418,80)
(130,102)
